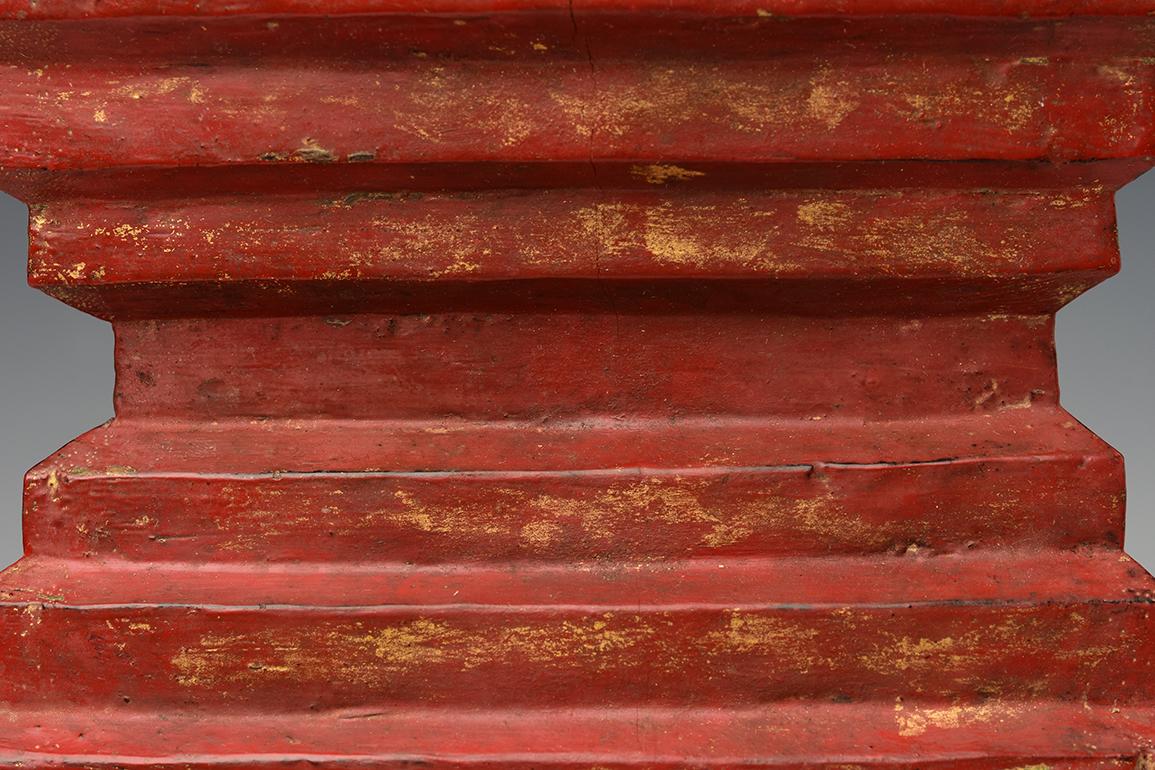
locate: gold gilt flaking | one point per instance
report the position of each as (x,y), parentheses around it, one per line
(750,633)
(605,516)
(660,173)
(352,653)
(916,721)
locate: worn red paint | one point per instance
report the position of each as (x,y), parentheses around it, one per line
(586,384)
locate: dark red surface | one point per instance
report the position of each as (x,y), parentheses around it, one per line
(589,385)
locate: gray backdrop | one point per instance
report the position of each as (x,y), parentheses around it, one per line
(56,367)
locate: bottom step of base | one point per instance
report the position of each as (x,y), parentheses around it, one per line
(995,735)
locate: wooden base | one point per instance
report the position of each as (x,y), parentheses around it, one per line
(588,385)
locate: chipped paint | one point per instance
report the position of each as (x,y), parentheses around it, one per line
(372,654)
(831,100)
(661,173)
(913,721)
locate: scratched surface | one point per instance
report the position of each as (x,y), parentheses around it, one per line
(584,384)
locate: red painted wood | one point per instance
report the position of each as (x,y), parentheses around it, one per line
(790,736)
(580,234)
(554,108)
(148,514)
(521,366)
(738,633)
(600,384)
(86,9)
(613,656)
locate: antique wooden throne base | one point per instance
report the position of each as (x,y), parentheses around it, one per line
(523,384)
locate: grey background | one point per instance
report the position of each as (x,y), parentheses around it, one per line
(56,367)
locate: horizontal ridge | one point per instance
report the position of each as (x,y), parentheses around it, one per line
(1001,577)
(410,492)
(899,736)
(541,94)
(578,234)
(617,650)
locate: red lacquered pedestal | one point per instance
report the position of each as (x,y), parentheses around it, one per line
(533,385)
